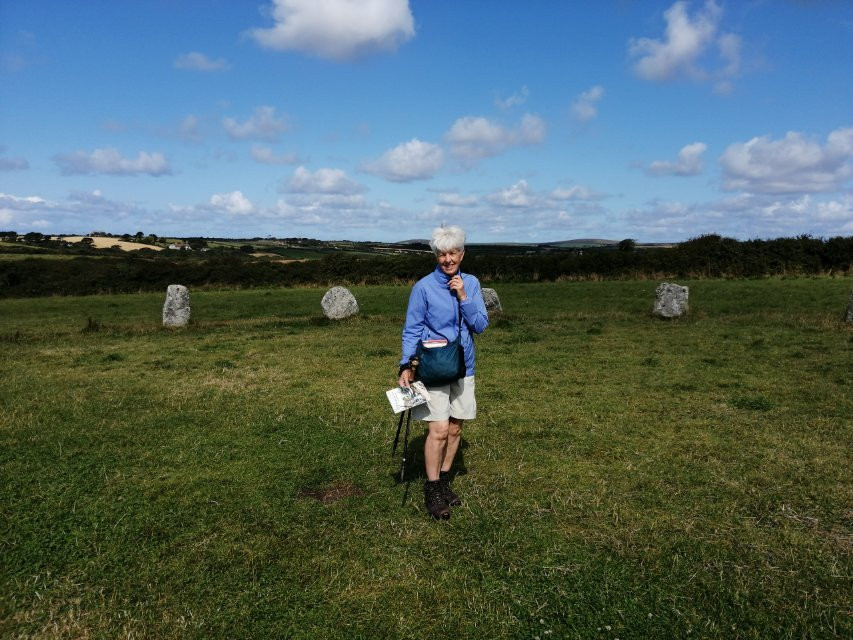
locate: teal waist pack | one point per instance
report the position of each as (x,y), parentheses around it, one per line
(440,365)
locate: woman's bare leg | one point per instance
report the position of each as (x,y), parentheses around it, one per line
(435,448)
(454,436)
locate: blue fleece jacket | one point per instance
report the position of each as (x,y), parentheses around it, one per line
(434,313)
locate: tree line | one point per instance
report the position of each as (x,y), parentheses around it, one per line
(708,256)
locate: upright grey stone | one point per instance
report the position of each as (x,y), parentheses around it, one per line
(849,317)
(339,303)
(490,297)
(176,309)
(670,300)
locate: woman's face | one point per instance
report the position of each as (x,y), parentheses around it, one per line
(449,261)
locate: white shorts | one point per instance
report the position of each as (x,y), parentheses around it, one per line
(454,400)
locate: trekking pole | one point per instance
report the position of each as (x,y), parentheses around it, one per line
(405,455)
(405,444)
(397,436)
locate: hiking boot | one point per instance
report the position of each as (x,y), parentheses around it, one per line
(450,498)
(435,504)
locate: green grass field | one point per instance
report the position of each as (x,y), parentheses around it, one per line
(21,251)
(627,477)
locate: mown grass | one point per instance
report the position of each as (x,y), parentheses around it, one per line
(627,477)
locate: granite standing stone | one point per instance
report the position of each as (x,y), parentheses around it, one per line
(339,303)
(670,300)
(849,317)
(176,309)
(490,298)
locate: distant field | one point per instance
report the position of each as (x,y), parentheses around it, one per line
(106,243)
(40,256)
(265,249)
(295,254)
(21,247)
(627,477)
(25,252)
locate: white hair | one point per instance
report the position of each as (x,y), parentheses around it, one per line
(447,239)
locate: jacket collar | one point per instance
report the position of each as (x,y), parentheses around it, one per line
(442,277)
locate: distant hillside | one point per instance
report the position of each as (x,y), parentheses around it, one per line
(582,242)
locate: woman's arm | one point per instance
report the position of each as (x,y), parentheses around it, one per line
(414,324)
(473,308)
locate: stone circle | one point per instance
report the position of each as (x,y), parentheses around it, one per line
(339,303)
(670,300)
(491,299)
(176,309)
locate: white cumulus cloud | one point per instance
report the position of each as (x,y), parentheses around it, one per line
(689,162)
(476,137)
(110,161)
(265,155)
(264,124)
(522,212)
(337,29)
(472,138)
(195,61)
(576,193)
(585,107)
(517,195)
(323,181)
(745,216)
(409,161)
(794,164)
(516,99)
(23,203)
(687,42)
(837,211)
(233,202)
(451,199)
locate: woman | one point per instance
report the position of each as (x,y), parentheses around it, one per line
(441,305)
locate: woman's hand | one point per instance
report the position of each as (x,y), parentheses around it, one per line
(406,378)
(458,287)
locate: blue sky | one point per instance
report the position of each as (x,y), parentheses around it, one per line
(380,119)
